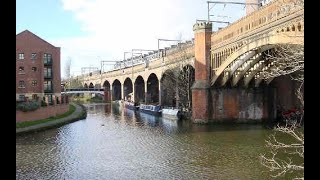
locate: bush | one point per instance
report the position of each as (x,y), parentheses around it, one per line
(43,103)
(27,106)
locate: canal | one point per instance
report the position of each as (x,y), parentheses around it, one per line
(117,143)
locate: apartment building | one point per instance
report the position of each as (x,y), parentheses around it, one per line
(37,68)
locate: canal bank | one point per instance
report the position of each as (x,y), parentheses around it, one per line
(78,114)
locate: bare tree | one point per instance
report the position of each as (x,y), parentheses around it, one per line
(74,82)
(292,150)
(286,60)
(177,80)
(67,68)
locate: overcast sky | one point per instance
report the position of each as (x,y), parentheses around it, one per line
(91,31)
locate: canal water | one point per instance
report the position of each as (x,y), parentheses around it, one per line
(117,143)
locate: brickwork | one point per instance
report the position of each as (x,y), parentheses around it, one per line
(200,88)
(41,113)
(200,108)
(286,92)
(238,105)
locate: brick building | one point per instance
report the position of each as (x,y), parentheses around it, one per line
(37,68)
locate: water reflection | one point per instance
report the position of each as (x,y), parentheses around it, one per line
(149,119)
(118,143)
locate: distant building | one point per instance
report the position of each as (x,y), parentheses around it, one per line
(37,68)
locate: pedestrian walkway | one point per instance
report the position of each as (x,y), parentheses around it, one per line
(54,123)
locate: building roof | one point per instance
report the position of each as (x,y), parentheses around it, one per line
(26,34)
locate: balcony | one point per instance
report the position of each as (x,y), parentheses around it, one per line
(48,76)
(47,61)
(48,90)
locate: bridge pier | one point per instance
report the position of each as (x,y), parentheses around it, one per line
(242,104)
(133,93)
(200,88)
(107,95)
(122,91)
(160,90)
(145,93)
(177,97)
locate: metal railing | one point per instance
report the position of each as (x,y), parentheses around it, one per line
(83,89)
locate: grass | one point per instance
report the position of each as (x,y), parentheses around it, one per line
(72,108)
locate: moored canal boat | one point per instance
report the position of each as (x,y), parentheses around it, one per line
(131,105)
(171,113)
(151,109)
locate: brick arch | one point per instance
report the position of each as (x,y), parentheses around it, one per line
(153,88)
(106,85)
(139,86)
(147,75)
(128,89)
(116,89)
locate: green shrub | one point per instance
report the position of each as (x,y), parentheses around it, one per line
(27,106)
(43,103)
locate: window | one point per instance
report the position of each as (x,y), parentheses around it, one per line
(47,58)
(34,69)
(33,55)
(47,72)
(21,56)
(34,96)
(21,70)
(34,83)
(21,84)
(50,99)
(21,97)
(48,85)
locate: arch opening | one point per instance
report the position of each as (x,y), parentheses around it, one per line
(139,94)
(152,89)
(107,93)
(116,90)
(128,89)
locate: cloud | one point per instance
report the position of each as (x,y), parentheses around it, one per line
(114,27)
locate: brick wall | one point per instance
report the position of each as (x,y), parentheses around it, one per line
(41,113)
(235,104)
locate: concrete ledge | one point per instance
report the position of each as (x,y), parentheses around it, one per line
(200,121)
(236,121)
(78,114)
(230,121)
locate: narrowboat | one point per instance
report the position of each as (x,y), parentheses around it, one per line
(151,109)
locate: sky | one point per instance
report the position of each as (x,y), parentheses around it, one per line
(91,31)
